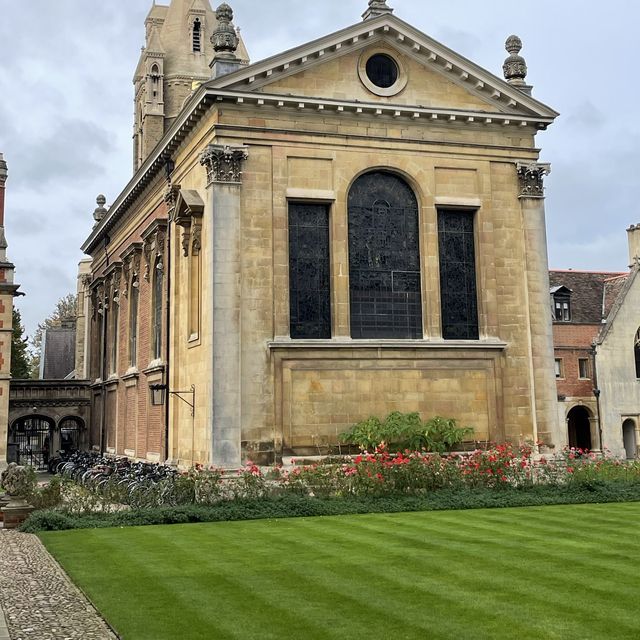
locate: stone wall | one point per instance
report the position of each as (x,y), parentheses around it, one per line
(620,399)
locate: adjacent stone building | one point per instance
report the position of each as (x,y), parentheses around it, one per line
(8,290)
(351,227)
(581,302)
(596,326)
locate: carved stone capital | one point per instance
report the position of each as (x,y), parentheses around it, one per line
(531,178)
(186,239)
(224,163)
(147,249)
(130,266)
(196,239)
(170,198)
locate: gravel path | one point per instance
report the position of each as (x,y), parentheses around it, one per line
(39,601)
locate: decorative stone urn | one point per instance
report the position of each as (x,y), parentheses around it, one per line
(17,483)
(4,501)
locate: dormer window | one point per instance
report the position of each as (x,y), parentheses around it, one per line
(197,36)
(561,297)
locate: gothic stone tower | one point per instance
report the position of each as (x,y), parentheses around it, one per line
(174,61)
(7,292)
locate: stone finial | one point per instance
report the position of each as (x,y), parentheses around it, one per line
(101,210)
(376,8)
(225,39)
(515,66)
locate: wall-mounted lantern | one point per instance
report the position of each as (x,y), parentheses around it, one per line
(159,393)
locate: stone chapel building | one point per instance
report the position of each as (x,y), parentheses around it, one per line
(347,228)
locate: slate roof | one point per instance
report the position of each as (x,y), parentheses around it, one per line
(593,293)
(59,353)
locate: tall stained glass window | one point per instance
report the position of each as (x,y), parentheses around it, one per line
(134,297)
(158,292)
(458,289)
(384,259)
(309,271)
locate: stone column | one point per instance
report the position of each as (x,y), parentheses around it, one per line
(224,182)
(531,179)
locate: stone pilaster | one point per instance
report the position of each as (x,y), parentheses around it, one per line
(82,324)
(224,182)
(531,192)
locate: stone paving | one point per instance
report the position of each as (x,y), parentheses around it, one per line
(39,601)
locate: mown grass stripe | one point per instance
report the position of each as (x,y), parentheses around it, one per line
(401,576)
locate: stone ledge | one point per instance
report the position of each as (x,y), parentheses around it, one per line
(481,345)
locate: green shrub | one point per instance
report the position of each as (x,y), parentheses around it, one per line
(296,506)
(46,496)
(406,431)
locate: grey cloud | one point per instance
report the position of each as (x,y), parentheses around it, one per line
(72,151)
(587,116)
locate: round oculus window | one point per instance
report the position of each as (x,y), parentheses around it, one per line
(382,70)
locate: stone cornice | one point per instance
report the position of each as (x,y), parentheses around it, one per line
(410,40)
(326,106)
(407,39)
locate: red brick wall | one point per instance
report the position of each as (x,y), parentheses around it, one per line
(132,424)
(571,343)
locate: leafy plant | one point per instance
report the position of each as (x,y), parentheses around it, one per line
(406,431)
(441,434)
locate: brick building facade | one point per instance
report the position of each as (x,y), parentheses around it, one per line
(596,318)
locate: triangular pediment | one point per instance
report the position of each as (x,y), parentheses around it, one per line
(436,77)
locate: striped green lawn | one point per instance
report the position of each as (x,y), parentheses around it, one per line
(546,572)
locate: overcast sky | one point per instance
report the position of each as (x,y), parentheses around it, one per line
(66,112)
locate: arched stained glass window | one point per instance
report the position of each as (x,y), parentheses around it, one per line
(158,289)
(384,258)
(134,296)
(636,350)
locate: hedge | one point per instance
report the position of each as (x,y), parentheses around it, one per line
(295,506)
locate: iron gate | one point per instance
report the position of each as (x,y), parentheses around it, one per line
(33,436)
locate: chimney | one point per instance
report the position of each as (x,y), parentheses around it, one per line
(3,180)
(634,245)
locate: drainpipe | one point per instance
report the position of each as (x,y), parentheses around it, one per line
(596,393)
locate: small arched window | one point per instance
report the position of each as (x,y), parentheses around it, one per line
(636,352)
(155,80)
(197,36)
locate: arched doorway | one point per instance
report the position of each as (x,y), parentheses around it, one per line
(579,425)
(70,432)
(32,437)
(629,438)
